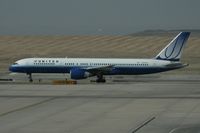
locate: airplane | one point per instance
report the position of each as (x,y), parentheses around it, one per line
(81,68)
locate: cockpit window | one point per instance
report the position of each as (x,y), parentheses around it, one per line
(15,63)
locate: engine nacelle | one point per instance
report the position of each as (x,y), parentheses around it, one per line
(77,73)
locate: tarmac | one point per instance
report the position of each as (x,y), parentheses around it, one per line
(136,104)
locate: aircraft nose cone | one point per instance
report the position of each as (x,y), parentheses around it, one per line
(12,69)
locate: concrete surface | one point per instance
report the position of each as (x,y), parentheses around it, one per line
(96,108)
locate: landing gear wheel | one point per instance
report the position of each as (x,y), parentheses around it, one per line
(30,80)
(100,79)
(30,77)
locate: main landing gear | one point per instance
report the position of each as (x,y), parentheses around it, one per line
(30,77)
(100,79)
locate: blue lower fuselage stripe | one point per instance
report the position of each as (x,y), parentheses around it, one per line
(115,70)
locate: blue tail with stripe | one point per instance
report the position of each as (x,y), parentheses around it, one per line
(173,50)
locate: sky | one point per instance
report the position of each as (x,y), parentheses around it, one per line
(94,17)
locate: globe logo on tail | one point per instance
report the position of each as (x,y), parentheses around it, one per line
(174,49)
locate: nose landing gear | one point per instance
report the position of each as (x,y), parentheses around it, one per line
(30,77)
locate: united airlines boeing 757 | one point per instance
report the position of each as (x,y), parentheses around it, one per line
(81,68)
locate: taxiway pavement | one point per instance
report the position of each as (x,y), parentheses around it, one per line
(125,107)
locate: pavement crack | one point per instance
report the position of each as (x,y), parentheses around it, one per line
(28,106)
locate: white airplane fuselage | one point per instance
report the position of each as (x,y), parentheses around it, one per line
(119,66)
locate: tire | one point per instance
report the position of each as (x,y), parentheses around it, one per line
(100,80)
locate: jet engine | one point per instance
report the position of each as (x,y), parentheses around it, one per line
(77,73)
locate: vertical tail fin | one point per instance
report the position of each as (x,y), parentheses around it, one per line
(173,50)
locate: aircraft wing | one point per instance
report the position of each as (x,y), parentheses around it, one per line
(99,69)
